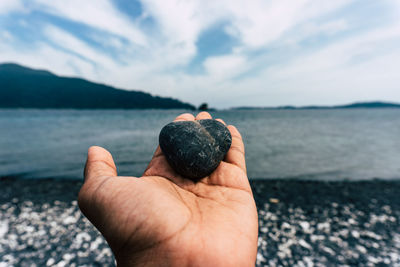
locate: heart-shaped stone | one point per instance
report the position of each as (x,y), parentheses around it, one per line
(194,149)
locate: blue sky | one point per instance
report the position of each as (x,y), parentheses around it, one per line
(226,53)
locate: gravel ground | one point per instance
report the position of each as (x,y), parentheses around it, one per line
(41,225)
(328,224)
(302,223)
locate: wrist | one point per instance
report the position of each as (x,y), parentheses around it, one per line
(150,258)
(153,258)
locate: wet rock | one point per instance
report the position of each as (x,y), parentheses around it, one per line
(194,149)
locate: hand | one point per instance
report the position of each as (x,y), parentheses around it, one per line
(162,219)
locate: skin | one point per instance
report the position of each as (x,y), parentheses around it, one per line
(162,219)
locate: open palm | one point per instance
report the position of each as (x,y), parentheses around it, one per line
(163,219)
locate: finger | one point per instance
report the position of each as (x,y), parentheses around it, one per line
(221,121)
(203,116)
(157,153)
(185,117)
(99,164)
(235,154)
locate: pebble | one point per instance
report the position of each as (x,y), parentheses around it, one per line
(50,262)
(274,200)
(3,228)
(304,244)
(305,225)
(285,236)
(361,249)
(329,233)
(194,149)
(355,234)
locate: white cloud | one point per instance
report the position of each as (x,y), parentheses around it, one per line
(256,22)
(328,29)
(100,14)
(259,22)
(359,66)
(180,24)
(5,36)
(46,57)
(331,75)
(335,26)
(177,19)
(7,6)
(224,67)
(72,44)
(340,54)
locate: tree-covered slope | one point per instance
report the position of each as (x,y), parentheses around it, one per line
(22,87)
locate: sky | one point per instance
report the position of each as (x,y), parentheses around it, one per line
(227,53)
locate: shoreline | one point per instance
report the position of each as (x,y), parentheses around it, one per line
(300,222)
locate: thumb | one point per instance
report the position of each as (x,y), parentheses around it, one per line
(99,164)
(99,168)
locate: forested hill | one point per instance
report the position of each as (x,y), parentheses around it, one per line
(22,87)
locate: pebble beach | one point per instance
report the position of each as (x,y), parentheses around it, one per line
(301,223)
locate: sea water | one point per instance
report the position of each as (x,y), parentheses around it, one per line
(299,144)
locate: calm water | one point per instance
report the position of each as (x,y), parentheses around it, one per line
(305,144)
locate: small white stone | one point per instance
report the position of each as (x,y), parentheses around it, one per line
(82,236)
(344,233)
(335,239)
(325,226)
(315,238)
(50,262)
(3,228)
(372,235)
(373,260)
(355,234)
(304,244)
(305,225)
(308,261)
(260,258)
(329,251)
(95,244)
(362,249)
(67,257)
(69,220)
(394,257)
(351,221)
(29,228)
(61,264)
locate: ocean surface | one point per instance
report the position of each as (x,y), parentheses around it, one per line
(347,144)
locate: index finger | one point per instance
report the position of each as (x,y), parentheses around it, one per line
(185,117)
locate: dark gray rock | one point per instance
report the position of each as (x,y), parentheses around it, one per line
(195,148)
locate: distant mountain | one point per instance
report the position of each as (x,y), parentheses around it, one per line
(22,87)
(375,104)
